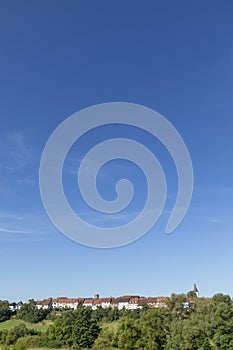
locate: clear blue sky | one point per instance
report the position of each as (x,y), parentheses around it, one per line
(57,57)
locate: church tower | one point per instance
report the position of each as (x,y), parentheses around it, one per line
(196,291)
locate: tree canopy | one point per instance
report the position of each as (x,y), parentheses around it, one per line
(185,323)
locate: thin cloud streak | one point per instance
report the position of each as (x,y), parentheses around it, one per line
(12,223)
(9,230)
(14,152)
(221,221)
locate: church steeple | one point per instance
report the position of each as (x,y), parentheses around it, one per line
(195,289)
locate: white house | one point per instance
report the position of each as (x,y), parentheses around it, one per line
(66,303)
(161,301)
(100,302)
(106,302)
(133,303)
(45,304)
(122,302)
(15,306)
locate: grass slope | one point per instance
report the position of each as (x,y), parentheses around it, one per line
(41,326)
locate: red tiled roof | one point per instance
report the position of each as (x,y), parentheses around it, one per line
(142,301)
(152,300)
(126,298)
(88,301)
(106,300)
(65,300)
(44,302)
(162,299)
(62,300)
(101,300)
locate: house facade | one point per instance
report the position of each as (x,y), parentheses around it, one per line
(45,304)
(127,302)
(15,306)
(66,303)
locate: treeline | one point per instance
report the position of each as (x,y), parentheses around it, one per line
(193,324)
(20,332)
(28,312)
(196,325)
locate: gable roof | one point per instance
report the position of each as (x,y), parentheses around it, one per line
(88,301)
(44,302)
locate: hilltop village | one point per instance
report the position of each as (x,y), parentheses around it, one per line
(181,321)
(128,302)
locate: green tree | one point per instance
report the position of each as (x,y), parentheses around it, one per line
(128,334)
(208,326)
(105,339)
(192,295)
(5,312)
(62,329)
(85,328)
(18,332)
(74,328)
(152,330)
(29,312)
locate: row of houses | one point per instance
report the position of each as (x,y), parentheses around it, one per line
(129,302)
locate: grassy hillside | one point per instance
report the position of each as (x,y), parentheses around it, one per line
(41,326)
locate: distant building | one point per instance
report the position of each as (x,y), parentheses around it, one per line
(12,307)
(66,303)
(196,291)
(45,304)
(101,302)
(121,302)
(161,301)
(88,302)
(133,303)
(15,306)
(129,302)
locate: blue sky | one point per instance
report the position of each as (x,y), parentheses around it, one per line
(58,57)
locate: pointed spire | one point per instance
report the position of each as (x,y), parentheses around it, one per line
(195,288)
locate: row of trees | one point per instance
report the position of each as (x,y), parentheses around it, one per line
(28,312)
(202,325)
(199,325)
(10,337)
(73,329)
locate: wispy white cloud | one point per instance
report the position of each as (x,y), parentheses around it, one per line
(14,152)
(17,160)
(11,216)
(20,231)
(25,181)
(221,221)
(13,223)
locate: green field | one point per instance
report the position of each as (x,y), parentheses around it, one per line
(110,325)
(41,326)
